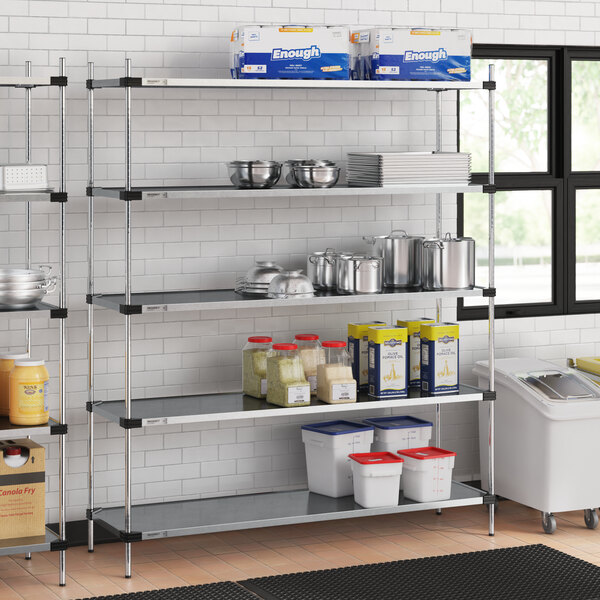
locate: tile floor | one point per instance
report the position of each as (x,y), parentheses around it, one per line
(240,555)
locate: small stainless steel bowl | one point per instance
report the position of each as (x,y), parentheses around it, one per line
(263,272)
(254,174)
(291,284)
(316,177)
(304,162)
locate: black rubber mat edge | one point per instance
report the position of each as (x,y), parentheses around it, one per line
(298,587)
(222,590)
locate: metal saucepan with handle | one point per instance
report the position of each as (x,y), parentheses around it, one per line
(359,274)
(402,257)
(449,264)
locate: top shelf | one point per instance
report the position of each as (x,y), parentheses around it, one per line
(327,84)
(32,82)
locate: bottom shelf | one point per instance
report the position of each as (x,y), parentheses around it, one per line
(189,517)
(40,543)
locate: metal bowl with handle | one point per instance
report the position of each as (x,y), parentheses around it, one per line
(12,275)
(254,174)
(26,298)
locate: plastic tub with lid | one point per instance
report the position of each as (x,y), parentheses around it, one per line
(254,365)
(335,382)
(286,384)
(397,433)
(427,473)
(327,447)
(376,477)
(28,392)
(7,363)
(311,355)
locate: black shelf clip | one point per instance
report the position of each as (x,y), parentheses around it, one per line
(489,499)
(89,191)
(59,313)
(488,188)
(130,423)
(89,514)
(59,80)
(57,545)
(89,299)
(59,429)
(489,396)
(130,81)
(130,195)
(130,309)
(489,292)
(132,536)
(489,85)
(59,196)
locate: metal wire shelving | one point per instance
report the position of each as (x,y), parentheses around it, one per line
(147,521)
(51,540)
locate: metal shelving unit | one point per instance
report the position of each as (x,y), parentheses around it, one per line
(166,519)
(51,540)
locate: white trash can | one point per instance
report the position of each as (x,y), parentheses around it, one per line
(327,447)
(397,433)
(376,478)
(427,473)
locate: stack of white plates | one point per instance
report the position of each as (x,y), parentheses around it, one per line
(381,169)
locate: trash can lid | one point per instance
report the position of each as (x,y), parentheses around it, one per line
(400,422)
(337,427)
(425,453)
(376,458)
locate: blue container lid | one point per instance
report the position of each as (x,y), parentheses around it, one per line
(337,427)
(397,422)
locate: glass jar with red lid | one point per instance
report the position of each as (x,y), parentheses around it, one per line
(254,365)
(335,383)
(311,355)
(286,383)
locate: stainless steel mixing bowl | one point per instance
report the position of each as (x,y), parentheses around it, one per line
(316,177)
(291,284)
(263,272)
(304,162)
(254,174)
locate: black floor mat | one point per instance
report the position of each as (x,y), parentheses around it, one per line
(523,573)
(226,590)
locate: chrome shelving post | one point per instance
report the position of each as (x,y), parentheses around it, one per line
(438,233)
(62,302)
(492,281)
(28,208)
(128,319)
(90,291)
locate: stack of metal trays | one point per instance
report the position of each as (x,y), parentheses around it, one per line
(382,169)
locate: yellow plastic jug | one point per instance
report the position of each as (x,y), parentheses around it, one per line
(7,362)
(28,393)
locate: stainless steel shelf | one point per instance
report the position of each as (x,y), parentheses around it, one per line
(41,309)
(228,191)
(313,84)
(27,196)
(172,410)
(8,431)
(152,302)
(210,515)
(40,543)
(26,82)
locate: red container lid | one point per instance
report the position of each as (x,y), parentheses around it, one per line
(376,458)
(307,337)
(260,339)
(285,347)
(427,452)
(334,344)
(13,451)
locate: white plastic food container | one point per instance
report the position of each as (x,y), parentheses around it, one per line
(427,473)
(376,478)
(398,433)
(327,448)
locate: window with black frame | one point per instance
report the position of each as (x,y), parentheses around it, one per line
(530,203)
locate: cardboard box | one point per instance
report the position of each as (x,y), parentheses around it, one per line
(358,347)
(414,344)
(439,358)
(419,54)
(23,493)
(290,52)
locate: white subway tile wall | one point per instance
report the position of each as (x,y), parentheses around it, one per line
(186,136)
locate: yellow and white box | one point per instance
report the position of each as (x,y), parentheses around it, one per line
(439,358)
(388,362)
(358,347)
(414,348)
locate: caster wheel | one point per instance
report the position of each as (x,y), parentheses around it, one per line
(590,516)
(548,522)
